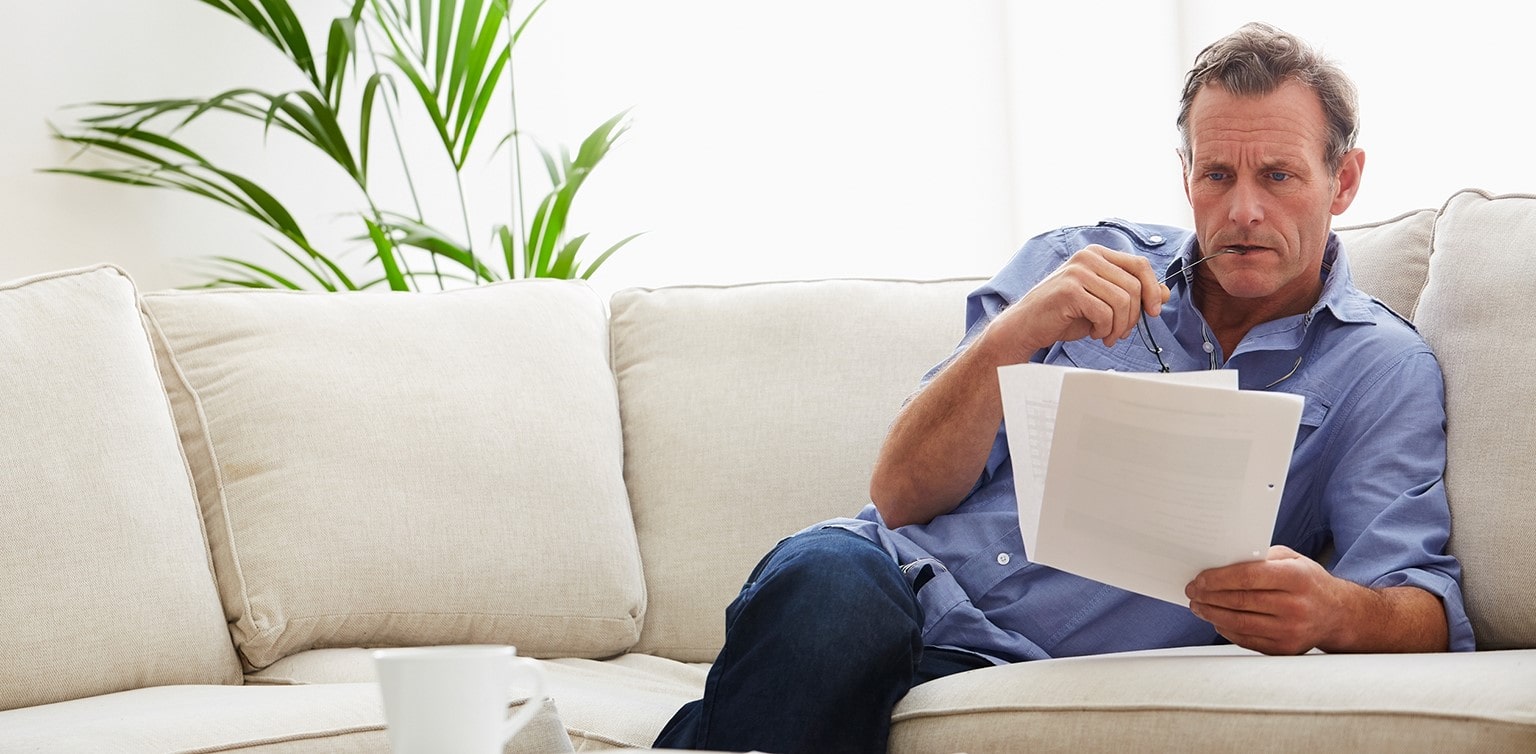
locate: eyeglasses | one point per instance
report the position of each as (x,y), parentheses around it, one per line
(1146,331)
(1157,351)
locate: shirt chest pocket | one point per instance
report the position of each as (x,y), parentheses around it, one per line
(1128,355)
(1313,413)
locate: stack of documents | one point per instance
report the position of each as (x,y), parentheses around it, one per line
(1142,481)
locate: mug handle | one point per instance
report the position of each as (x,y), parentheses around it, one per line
(529,708)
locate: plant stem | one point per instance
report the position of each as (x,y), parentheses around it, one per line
(469,233)
(405,167)
(517,218)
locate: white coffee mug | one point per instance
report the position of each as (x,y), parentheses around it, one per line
(453,700)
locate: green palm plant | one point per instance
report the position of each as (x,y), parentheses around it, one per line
(451,57)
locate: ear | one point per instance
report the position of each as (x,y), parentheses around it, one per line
(1347,182)
(1184,174)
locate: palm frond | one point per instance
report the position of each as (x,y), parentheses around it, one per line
(603,257)
(456,56)
(275,20)
(416,234)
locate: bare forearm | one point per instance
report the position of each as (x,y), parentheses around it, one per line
(938,445)
(1396,619)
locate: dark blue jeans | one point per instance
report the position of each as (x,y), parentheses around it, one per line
(824,639)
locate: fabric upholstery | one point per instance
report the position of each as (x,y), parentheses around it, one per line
(383,470)
(623,702)
(1482,281)
(735,439)
(1221,699)
(407,469)
(1390,259)
(105,583)
(338,717)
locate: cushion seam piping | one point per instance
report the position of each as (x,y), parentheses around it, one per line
(213,457)
(1220,710)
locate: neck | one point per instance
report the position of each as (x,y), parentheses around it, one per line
(1230,318)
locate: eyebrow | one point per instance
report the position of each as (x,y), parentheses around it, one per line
(1285,164)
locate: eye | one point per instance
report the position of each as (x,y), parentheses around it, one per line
(1277,176)
(1215,175)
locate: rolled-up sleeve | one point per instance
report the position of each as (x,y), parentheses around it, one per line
(1386,502)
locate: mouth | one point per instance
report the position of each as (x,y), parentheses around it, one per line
(1241,249)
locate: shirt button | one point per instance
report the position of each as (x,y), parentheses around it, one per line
(1207,347)
(1002,558)
(1155,239)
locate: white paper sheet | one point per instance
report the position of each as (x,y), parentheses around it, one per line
(1030,396)
(1144,480)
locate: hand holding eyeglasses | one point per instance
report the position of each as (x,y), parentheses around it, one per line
(1098,292)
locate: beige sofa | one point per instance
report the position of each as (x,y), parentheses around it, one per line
(211,501)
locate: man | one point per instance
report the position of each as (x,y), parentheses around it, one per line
(839,621)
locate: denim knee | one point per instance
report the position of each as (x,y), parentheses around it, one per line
(823,640)
(833,589)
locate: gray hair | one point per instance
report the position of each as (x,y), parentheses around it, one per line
(1254,61)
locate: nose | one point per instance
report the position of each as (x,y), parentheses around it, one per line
(1247,204)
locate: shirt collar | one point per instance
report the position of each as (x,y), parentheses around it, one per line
(1340,296)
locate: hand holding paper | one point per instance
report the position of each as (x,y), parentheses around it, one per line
(1143,481)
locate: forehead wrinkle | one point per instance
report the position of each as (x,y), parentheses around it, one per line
(1265,154)
(1272,128)
(1266,140)
(1288,123)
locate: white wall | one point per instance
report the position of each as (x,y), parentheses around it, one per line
(1092,113)
(800,138)
(71,51)
(791,139)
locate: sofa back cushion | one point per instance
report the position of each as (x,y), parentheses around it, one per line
(105,583)
(751,412)
(1390,259)
(383,469)
(1482,281)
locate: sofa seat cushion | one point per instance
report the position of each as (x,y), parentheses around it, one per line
(622,702)
(752,411)
(385,469)
(105,582)
(1229,699)
(340,717)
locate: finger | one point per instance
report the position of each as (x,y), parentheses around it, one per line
(1115,284)
(1090,298)
(1229,606)
(1119,310)
(1281,552)
(1235,577)
(1099,314)
(1255,643)
(1231,624)
(1072,302)
(1266,633)
(1151,292)
(1278,573)
(1267,644)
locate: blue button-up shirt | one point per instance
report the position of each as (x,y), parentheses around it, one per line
(1364,495)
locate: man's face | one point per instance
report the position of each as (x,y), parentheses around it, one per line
(1258,182)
